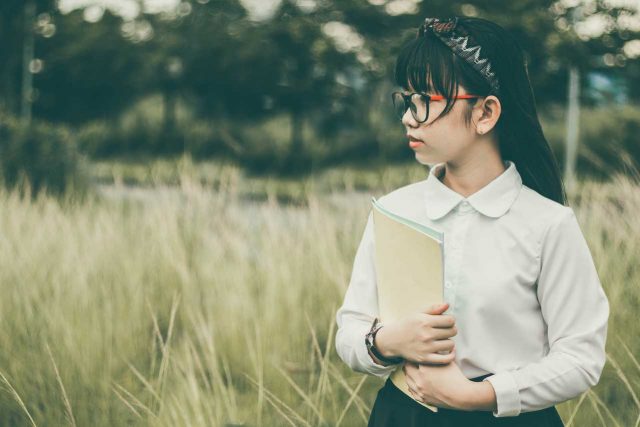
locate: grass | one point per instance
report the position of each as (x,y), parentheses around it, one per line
(209,299)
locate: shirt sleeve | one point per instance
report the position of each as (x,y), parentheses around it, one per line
(576,311)
(360,307)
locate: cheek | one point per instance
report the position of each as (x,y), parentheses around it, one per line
(448,135)
(443,140)
(451,137)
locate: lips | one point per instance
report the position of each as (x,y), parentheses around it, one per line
(414,142)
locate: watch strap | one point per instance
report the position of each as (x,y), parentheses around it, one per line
(375,327)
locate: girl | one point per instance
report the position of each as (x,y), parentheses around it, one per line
(525,320)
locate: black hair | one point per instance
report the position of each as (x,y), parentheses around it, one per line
(426,64)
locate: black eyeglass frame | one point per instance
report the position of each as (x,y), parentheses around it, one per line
(406,99)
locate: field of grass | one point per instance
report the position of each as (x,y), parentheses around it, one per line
(207,298)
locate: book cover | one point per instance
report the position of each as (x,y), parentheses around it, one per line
(409,270)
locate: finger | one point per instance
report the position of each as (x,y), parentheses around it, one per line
(413,393)
(411,384)
(443,333)
(435,358)
(437,308)
(444,345)
(408,369)
(443,321)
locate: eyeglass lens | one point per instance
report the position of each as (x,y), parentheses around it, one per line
(418,105)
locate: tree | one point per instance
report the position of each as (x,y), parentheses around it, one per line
(90,70)
(14,31)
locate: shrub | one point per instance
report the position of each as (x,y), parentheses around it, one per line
(39,157)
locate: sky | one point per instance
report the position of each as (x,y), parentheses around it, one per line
(260,9)
(593,26)
(126,8)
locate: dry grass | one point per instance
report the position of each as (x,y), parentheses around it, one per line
(200,305)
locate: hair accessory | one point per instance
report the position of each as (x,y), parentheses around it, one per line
(462,43)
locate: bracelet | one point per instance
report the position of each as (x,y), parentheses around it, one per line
(369,340)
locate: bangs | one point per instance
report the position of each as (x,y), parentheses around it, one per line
(427,65)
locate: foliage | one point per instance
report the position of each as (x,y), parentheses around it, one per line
(322,63)
(40,157)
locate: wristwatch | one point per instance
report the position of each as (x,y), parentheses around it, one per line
(369,340)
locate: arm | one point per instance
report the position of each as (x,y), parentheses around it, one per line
(378,361)
(360,307)
(576,310)
(480,397)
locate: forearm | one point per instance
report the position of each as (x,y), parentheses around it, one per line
(479,397)
(351,347)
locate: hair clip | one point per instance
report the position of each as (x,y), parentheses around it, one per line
(441,26)
(462,44)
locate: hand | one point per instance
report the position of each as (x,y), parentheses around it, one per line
(444,386)
(420,336)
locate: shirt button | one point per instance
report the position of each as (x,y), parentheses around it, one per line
(447,284)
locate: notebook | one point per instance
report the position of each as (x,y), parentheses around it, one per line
(409,259)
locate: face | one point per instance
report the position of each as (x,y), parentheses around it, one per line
(444,140)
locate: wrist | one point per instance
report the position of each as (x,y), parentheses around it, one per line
(383,344)
(372,345)
(478,396)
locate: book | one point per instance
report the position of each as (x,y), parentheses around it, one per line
(409,259)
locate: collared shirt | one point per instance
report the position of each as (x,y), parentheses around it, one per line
(521,284)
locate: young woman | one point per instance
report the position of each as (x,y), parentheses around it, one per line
(524,323)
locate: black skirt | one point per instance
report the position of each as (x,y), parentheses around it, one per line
(393,408)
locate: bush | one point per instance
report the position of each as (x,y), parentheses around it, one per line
(40,157)
(608,138)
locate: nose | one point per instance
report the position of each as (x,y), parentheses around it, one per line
(408,120)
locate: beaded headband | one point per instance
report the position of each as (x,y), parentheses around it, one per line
(462,44)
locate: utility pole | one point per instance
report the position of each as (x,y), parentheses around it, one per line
(573,127)
(27,58)
(573,113)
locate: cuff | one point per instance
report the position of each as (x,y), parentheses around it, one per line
(365,358)
(507,394)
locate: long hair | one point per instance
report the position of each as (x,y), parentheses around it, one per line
(428,65)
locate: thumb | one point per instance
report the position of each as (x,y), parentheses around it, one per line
(437,308)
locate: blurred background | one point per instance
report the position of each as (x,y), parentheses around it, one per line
(284,87)
(185,183)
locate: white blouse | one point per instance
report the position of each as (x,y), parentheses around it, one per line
(521,284)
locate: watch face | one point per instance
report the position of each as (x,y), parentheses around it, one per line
(370,335)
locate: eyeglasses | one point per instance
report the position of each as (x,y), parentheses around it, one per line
(419,103)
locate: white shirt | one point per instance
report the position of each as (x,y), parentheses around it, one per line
(521,284)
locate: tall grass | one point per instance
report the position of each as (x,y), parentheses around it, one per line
(203,305)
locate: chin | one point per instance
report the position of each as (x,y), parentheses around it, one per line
(427,161)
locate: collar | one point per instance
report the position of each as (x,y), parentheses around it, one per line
(492,200)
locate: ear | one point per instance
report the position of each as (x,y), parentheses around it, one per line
(486,114)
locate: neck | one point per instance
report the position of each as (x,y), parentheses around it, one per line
(468,176)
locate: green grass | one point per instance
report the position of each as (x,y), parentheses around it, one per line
(208,302)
